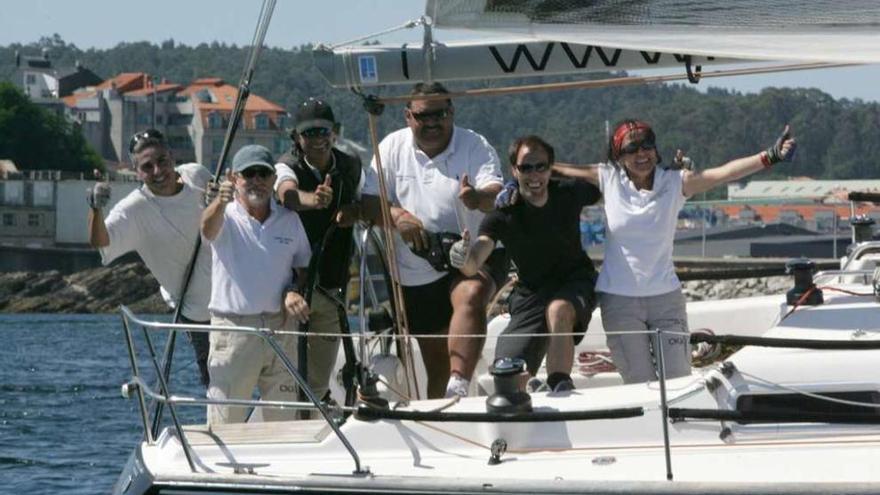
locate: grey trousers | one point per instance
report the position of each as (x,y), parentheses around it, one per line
(633,353)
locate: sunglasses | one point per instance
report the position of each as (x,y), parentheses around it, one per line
(423,117)
(645,144)
(315,132)
(261,172)
(138,137)
(527,168)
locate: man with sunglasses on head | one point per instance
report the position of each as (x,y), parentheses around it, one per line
(555,291)
(259,255)
(160,221)
(638,288)
(323,185)
(441,179)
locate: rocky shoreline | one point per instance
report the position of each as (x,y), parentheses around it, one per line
(102,290)
(97,290)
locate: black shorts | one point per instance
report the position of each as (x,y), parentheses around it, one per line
(528,310)
(429,307)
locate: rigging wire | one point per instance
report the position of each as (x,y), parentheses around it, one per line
(406,25)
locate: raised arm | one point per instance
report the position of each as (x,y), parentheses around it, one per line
(212,217)
(589,173)
(782,150)
(97,198)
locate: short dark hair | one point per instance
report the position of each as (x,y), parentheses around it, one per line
(145,139)
(532,141)
(424,89)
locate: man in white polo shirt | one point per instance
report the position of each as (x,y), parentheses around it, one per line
(259,253)
(440,179)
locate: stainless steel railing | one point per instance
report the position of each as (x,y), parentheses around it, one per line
(136,384)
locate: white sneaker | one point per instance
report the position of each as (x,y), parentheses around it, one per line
(457,386)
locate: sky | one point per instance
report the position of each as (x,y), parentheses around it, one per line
(104,23)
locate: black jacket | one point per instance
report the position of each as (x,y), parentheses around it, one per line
(333,271)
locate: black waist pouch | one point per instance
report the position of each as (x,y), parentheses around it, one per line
(437,253)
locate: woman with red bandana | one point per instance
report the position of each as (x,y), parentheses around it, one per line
(639,290)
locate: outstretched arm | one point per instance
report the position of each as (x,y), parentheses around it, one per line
(697,182)
(589,173)
(295,199)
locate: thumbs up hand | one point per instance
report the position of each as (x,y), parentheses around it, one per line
(99,195)
(324,193)
(458,253)
(227,189)
(468,194)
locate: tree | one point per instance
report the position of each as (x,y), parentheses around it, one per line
(36,139)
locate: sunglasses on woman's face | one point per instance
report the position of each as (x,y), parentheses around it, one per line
(633,147)
(261,172)
(527,168)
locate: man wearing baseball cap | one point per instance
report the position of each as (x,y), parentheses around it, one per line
(322,183)
(259,254)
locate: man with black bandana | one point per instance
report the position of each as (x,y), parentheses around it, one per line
(323,185)
(555,293)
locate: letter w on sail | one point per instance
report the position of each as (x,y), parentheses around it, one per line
(577,62)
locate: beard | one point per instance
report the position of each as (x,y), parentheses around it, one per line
(255,197)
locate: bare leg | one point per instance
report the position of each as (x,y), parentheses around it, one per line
(560,352)
(469,299)
(435,354)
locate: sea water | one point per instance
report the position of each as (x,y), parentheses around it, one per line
(64,426)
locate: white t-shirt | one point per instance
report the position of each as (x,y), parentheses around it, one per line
(253,262)
(640,229)
(428,188)
(163,230)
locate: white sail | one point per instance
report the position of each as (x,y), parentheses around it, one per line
(816,31)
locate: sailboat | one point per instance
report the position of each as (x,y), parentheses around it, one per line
(793,410)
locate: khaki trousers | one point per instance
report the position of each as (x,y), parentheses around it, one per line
(238,362)
(323,350)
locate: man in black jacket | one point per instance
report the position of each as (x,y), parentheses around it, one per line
(322,184)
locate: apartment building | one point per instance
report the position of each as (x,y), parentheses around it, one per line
(193,118)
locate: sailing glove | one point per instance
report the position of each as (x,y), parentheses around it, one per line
(777,153)
(211,191)
(459,251)
(99,195)
(508,196)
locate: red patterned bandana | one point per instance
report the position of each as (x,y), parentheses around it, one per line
(624,130)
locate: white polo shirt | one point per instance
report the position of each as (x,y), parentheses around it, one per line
(428,188)
(253,262)
(163,230)
(640,230)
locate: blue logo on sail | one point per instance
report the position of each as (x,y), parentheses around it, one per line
(369,72)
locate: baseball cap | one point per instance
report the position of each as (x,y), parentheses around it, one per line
(252,155)
(314,113)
